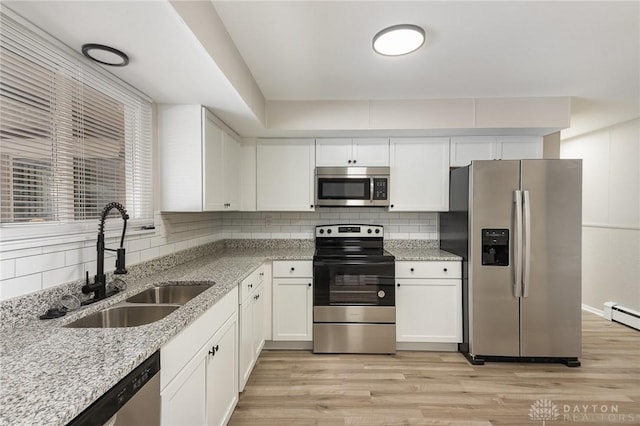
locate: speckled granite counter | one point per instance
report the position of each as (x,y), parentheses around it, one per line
(412,253)
(49,374)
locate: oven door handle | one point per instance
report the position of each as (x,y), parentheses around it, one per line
(351,262)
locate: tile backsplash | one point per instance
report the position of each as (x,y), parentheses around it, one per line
(27,270)
(301,225)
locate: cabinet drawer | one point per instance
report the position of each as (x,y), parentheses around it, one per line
(251,283)
(292,268)
(428,269)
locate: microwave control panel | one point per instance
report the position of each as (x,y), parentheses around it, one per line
(380,190)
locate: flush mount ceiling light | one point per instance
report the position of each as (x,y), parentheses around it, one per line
(105,55)
(399,40)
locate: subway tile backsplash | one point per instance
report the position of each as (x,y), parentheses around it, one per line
(301,225)
(31,269)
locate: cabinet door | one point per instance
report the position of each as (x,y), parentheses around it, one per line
(292,309)
(419,174)
(333,152)
(212,165)
(183,400)
(258,322)
(519,148)
(222,374)
(245,346)
(371,152)
(231,186)
(285,175)
(428,310)
(180,157)
(464,149)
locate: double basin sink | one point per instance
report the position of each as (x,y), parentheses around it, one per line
(143,308)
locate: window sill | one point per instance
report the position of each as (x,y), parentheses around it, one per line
(80,237)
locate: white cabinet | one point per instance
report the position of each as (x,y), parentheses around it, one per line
(231,167)
(199,162)
(252,317)
(199,368)
(285,174)
(465,149)
(429,301)
(292,300)
(360,152)
(222,373)
(419,174)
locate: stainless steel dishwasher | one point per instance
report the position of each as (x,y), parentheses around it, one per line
(135,400)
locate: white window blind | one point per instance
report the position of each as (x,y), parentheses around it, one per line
(73,139)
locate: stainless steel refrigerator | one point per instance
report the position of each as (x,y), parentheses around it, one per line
(517,225)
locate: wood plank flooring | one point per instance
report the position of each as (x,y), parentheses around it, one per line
(441,388)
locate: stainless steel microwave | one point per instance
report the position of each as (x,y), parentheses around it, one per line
(352,186)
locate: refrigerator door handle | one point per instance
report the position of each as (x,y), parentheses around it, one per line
(517,281)
(527,245)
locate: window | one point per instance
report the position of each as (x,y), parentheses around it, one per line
(72,138)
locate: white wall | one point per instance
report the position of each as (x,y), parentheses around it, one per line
(611,213)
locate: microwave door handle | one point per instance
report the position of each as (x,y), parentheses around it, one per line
(371,189)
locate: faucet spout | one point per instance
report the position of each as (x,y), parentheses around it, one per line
(100,282)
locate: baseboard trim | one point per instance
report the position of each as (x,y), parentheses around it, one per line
(593,310)
(431,347)
(293,345)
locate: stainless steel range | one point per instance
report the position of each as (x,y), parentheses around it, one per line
(354,295)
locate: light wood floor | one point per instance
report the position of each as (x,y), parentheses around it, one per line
(438,388)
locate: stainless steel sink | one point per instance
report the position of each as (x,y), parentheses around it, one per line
(124,316)
(176,294)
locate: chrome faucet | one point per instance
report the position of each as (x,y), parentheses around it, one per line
(99,286)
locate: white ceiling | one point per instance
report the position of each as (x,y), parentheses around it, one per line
(306,50)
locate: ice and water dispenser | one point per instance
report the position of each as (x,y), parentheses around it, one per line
(495,247)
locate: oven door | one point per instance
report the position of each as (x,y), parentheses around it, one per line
(353,282)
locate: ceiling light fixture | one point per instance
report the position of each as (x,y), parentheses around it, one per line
(399,40)
(105,55)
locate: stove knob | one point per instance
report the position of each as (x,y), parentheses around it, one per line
(369,231)
(377,231)
(328,231)
(322,231)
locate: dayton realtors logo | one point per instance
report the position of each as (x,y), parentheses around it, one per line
(543,409)
(546,410)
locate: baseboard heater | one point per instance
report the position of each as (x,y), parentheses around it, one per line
(626,316)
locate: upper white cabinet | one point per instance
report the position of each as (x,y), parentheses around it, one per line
(285,170)
(360,152)
(199,162)
(419,174)
(465,149)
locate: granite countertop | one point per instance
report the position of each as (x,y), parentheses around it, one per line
(411,253)
(49,374)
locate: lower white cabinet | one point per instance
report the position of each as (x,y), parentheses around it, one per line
(429,301)
(199,368)
(292,300)
(252,317)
